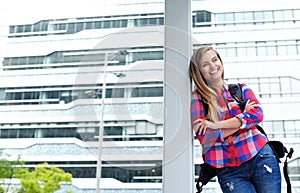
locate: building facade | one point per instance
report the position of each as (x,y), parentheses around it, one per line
(52,78)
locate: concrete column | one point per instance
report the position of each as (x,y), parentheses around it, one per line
(178,158)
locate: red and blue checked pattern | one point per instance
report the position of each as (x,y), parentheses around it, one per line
(240,146)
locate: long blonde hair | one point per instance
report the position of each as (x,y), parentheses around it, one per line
(208,95)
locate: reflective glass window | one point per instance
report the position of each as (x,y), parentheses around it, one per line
(71,28)
(98,24)
(20,28)
(79,27)
(282,50)
(27,28)
(248,15)
(271,50)
(36,27)
(106,24)
(88,25)
(268,15)
(12,29)
(291,48)
(297,15)
(241,51)
(44,26)
(261,49)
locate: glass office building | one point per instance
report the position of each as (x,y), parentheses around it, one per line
(52,77)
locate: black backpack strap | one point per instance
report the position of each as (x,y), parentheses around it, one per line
(237,93)
(198,186)
(285,171)
(261,130)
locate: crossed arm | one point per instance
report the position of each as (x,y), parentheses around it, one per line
(230,126)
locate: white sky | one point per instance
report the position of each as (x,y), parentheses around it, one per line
(14,12)
(23,11)
(20,11)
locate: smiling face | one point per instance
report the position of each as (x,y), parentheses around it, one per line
(211,68)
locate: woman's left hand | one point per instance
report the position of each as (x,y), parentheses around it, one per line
(250,105)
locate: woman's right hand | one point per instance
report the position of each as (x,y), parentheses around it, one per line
(203,125)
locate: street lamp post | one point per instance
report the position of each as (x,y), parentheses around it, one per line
(101,128)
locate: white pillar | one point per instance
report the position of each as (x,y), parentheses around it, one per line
(178,158)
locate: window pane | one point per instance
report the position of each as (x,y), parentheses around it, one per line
(289,129)
(89,25)
(116,24)
(71,28)
(27,28)
(49,133)
(124,23)
(17,96)
(259,15)
(231,52)
(298,46)
(106,24)
(268,15)
(62,26)
(220,17)
(291,48)
(248,16)
(12,29)
(79,27)
(251,51)
(98,24)
(241,51)
(26,133)
(12,133)
(44,26)
(297,14)
(278,16)
(229,17)
(4,133)
(117,93)
(282,50)
(261,49)
(239,16)
(152,21)
(287,14)
(278,128)
(36,27)
(20,28)
(271,51)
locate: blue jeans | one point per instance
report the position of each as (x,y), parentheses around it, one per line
(261,174)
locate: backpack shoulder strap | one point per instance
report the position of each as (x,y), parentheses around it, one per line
(285,171)
(236,92)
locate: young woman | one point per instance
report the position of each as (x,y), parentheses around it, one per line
(231,143)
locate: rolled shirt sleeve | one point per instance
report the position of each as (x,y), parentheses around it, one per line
(255,115)
(197,111)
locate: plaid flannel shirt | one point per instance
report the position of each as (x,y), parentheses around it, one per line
(238,147)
